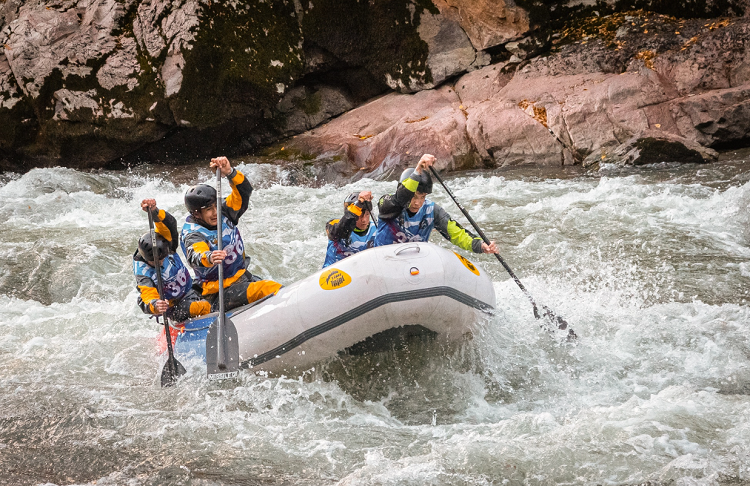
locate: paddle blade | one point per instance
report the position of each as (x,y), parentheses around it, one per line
(556,323)
(228,364)
(172,370)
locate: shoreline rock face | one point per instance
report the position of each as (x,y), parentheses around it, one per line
(681,88)
(364,88)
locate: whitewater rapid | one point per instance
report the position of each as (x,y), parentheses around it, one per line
(650,266)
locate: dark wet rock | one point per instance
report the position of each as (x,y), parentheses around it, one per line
(527,47)
(304,108)
(408,46)
(652,147)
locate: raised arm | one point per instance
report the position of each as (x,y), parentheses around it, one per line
(164,223)
(236,203)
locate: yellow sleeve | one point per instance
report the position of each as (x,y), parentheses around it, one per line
(148,295)
(459,236)
(203,248)
(234,200)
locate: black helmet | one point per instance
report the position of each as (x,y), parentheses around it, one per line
(199,197)
(424,179)
(146,249)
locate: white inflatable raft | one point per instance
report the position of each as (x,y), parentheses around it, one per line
(364,295)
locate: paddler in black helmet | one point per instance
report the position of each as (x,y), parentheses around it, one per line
(353,232)
(180,300)
(409,216)
(199,241)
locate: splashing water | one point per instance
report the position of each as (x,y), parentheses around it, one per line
(649,266)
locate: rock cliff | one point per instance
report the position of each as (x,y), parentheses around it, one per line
(366,87)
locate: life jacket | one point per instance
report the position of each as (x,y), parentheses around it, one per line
(340,249)
(174,275)
(405,228)
(232,244)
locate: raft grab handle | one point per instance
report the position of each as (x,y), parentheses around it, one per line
(409,247)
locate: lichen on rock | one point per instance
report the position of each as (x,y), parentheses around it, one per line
(228,71)
(380,36)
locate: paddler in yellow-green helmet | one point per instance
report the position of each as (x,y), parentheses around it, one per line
(199,240)
(180,300)
(409,216)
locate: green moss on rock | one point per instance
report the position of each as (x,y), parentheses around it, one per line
(310,104)
(380,37)
(279,151)
(241,62)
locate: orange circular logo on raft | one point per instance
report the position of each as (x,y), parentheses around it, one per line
(334,279)
(468,264)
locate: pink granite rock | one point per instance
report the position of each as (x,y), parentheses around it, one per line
(387,134)
(488,23)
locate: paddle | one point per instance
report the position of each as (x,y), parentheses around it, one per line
(372,216)
(172,368)
(222,345)
(550,318)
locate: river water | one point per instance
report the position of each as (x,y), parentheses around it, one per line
(650,266)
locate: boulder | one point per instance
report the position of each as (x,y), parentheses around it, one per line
(584,100)
(450,52)
(593,99)
(380,138)
(111,76)
(488,23)
(304,108)
(652,147)
(125,73)
(553,121)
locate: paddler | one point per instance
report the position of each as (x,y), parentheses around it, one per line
(409,216)
(353,232)
(199,241)
(180,300)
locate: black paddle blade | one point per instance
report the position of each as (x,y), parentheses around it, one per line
(172,370)
(556,321)
(228,364)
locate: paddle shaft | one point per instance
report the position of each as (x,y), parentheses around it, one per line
(487,241)
(220,246)
(372,216)
(160,287)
